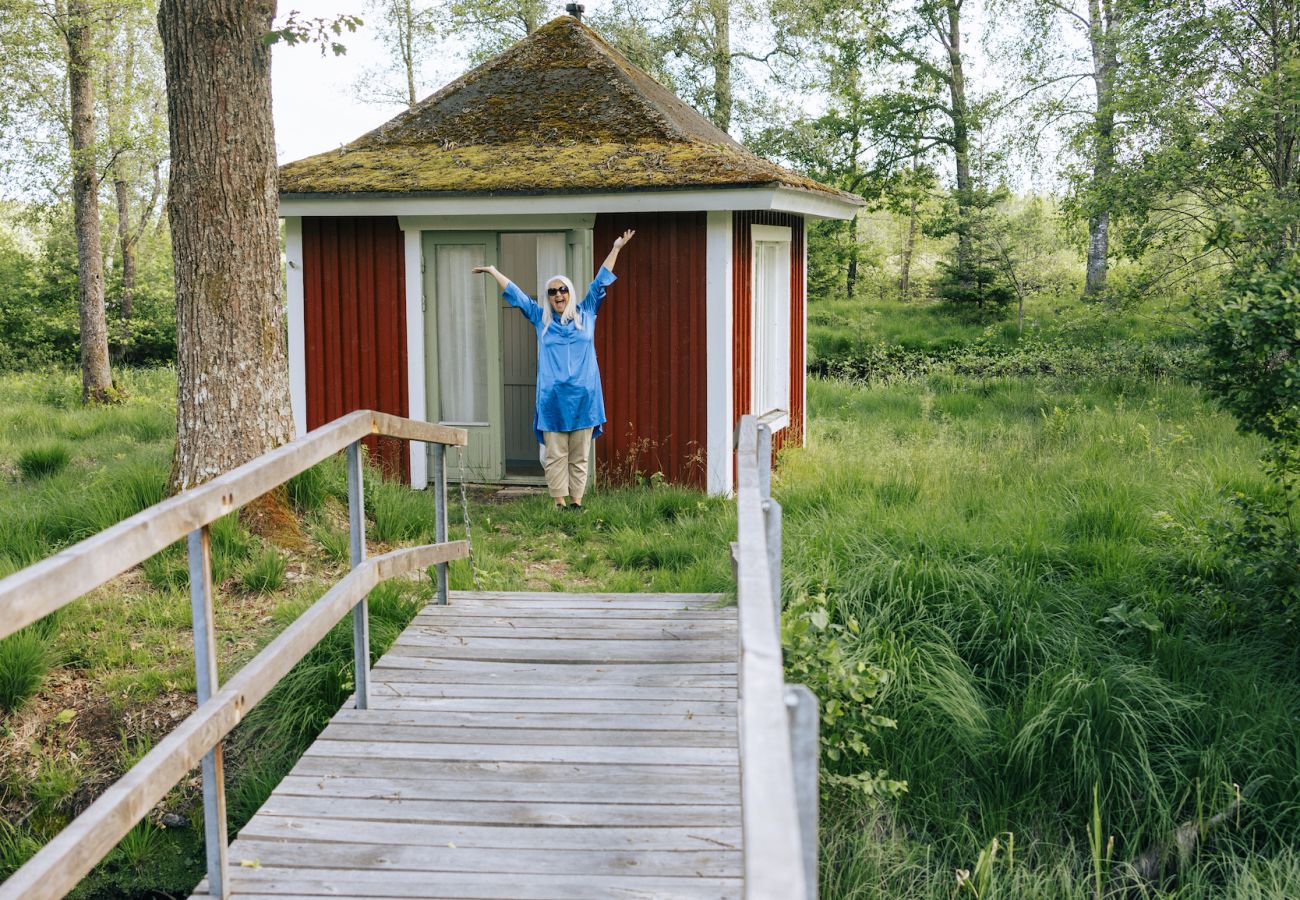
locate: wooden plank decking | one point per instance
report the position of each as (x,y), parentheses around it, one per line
(522,745)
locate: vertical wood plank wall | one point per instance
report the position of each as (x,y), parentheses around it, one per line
(743,313)
(650,342)
(354,307)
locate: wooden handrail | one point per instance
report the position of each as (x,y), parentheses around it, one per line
(40,589)
(65,860)
(773,858)
(49,585)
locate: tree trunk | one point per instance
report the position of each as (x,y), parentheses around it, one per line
(851,279)
(1105,62)
(126,245)
(722,88)
(96,379)
(960,137)
(406,35)
(909,247)
(231,364)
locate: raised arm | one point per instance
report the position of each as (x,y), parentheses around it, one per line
(619,243)
(502,280)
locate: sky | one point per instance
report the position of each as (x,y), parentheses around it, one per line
(317,107)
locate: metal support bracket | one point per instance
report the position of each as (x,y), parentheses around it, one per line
(360,612)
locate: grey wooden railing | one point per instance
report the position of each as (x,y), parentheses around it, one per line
(778,722)
(47,586)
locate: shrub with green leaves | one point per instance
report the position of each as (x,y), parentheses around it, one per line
(826,656)
(43,461)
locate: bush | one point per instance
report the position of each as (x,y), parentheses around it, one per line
(43,461)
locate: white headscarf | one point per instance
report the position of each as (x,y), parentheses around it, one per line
(570,313)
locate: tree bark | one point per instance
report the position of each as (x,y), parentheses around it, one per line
(960,134)
(1105,60)
(406,35)
(851,279)
(96,379)
(126,246)
(232,369)
(909,247)
(723,100)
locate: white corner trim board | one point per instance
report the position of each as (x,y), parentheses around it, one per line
(296,313)
(415,398)
(718,341)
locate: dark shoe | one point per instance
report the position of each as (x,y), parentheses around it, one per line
(577,507)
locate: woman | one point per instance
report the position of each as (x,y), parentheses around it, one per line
(570,408)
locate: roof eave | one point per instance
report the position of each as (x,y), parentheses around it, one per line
(773,196)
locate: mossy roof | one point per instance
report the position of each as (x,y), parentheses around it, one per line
(561,111)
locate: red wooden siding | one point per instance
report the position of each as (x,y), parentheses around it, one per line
(354,302)
(651,345)
(743,313)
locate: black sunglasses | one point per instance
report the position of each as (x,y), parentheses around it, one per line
(551,292)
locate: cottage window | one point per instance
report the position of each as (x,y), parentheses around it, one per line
(771,328)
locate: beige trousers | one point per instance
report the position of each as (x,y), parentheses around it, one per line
(567,454)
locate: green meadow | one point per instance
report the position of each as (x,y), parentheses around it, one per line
(1078,687)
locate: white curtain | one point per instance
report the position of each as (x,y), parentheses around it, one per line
(551,262)
(771,327)
(462,334)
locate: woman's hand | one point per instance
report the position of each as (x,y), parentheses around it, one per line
(502,280)
(619,243)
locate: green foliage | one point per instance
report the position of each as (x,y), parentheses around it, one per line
(25,658)
(43,460)
(1252,365)
(263,572)
(827,657)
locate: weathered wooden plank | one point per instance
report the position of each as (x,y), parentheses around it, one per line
(507,705)
(773,850)
(560,651)
(382,744)
(603,596)
(539,675)
(431,727)
(343,758)
(548,691)
(280,883)
(605,670)
(517,614)
(502,836)
(656,630)
(346,776)
(364,810)
(416,706)
(717,863)
(590,602)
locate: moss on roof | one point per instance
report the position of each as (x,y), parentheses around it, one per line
(559,111)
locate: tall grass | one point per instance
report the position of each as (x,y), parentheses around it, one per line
(1016,554)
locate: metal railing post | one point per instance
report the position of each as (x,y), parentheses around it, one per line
(440,514)
(360,612)
(801,710)
(205,679)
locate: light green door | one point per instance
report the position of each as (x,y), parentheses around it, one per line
(462,340)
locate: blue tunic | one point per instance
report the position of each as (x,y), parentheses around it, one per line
(568,379)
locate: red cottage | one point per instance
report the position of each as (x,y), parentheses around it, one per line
(534,161)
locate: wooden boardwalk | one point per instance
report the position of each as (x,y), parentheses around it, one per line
(521,745)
